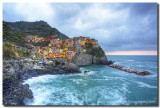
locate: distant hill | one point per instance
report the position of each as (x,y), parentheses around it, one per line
(16,31)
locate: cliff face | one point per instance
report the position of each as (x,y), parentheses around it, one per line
(83,59)
(87,59)
(15,93)
(100,60)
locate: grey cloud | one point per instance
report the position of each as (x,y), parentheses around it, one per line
(117,26)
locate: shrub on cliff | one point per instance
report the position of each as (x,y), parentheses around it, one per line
(26,54)
(95,51)
(9,52)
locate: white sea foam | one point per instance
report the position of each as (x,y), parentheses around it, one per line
(45,94)
(130,60)
(41,79)
(142,84)
(41,95)
(111,96)
(117,62)
(116,78)
(140,65)
(124,88)
(83,89)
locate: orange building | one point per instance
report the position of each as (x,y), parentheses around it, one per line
(70,54)
(57,55)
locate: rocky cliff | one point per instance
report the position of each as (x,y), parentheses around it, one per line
(16,71)
(14,92)
(88,59)
(94,56)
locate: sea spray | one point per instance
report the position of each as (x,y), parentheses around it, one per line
(102,85)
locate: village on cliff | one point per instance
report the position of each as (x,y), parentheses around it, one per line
(60,48)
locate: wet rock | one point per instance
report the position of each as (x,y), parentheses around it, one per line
(14,93)
(143,73)
(129,70)
(86,71)
(71,68)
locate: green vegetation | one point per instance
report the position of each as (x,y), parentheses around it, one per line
(16,32)
(11,35)
(26,54)
(97,51)
(42,44)
(6,29)
(9,52)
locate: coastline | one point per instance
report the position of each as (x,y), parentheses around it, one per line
(14,74)
(25,69)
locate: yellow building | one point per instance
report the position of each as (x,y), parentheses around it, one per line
(45,52)
(63,55)
(39,38)
(60,50)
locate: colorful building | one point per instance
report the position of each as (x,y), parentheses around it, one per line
(70,54)
(49,38)
(61,48)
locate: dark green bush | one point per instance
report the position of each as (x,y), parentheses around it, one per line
(26,54)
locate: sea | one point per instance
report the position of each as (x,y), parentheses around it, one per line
(102,85)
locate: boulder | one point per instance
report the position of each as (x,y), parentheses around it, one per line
(70,68)
(14,93)
(143,73)
(86,71)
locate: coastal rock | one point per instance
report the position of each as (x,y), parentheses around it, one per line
(70,68)
(144,73)
(88,59)
(84,59)
(130,70)
(86,71)
(100,60)
(14,93)
(61,68)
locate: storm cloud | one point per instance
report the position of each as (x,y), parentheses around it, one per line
(117,26)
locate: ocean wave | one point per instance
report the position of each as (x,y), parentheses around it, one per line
(140,65)
(142,84)
(111,96)
(130,60)
(117,62)
(91,88)
(41,95)
(67,93)
(107,77)
(41,79)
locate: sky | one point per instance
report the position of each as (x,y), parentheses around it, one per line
(120,28)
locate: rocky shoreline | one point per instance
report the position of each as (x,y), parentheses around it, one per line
(15,72)
(14,92)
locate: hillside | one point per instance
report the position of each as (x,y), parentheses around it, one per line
(86,50)
(16,31)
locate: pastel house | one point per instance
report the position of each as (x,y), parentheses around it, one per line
(70,54)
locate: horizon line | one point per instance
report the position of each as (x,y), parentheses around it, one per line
(132,53)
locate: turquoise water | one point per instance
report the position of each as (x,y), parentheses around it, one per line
(101,86)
